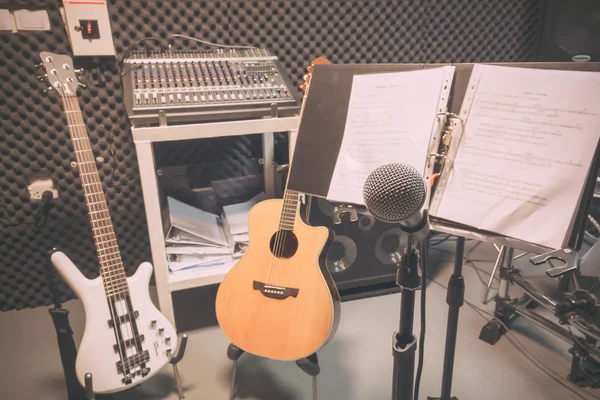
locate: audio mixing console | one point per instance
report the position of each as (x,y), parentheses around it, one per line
(196,86)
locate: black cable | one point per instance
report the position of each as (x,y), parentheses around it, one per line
(424,250)
(131,47)
(109,136)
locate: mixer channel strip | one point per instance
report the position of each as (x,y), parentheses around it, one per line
(207,85)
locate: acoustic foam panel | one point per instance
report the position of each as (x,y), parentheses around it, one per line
(33,134)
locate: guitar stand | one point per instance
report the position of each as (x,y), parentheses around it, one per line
(310,365)
(89,384)
(68,350)
(175,360)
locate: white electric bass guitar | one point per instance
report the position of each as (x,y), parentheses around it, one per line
(126,339)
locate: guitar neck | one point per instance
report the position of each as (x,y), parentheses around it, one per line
(290,208)
(111,265)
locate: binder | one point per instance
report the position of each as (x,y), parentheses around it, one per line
(322,127)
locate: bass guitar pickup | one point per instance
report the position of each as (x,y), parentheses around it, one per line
(123,319)
(275,292)
(129,342)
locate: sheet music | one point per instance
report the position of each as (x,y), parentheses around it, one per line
(390,118)
(528,143)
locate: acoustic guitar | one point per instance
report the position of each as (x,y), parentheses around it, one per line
(279,301)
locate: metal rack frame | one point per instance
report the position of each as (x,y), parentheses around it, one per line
(144,138)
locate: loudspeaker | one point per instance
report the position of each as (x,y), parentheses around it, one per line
(363,256)
(571,31)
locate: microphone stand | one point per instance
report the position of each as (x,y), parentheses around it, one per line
(404,342)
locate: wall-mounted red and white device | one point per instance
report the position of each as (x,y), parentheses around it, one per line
(88,25)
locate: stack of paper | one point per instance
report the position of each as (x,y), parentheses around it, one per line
(196,238)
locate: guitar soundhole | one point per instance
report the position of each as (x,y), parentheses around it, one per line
(284,244)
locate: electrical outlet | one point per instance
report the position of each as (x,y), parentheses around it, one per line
(38,186)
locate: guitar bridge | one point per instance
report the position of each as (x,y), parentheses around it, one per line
(134,361)
(275,292)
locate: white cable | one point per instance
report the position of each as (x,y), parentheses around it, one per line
(208,43)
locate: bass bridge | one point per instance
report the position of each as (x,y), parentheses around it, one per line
(275,292)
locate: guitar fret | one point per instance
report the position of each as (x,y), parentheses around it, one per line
(109,257)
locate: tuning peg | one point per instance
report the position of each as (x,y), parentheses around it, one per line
(81,84)
(48,89)
(38,65)
(79,71)
(42,78)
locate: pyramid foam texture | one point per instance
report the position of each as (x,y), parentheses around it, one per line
(33,130)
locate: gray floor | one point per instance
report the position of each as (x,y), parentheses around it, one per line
(356,365)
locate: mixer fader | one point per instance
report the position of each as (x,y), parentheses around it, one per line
(206,85)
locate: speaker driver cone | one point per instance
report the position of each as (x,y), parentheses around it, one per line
(342,254)
(389,246)
(366,223)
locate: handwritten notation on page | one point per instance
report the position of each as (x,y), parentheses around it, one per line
(529,140)
(390,119)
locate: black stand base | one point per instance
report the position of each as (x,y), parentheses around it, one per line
(310,365)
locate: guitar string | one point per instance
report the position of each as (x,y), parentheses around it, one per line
(285,215)
(112,278)
(274,254)
(273,268)
(70,121)
(71,106)
(115,277)
(277,244)
(280,240)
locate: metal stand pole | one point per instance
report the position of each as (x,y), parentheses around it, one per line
(455,299)
(404,342)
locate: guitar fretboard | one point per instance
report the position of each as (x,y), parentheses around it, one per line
(111,265)
(289,211)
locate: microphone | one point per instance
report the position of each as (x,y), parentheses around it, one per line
(396,193)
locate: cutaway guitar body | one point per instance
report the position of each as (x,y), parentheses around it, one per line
(279,301)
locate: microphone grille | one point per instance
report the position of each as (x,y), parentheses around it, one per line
(394,192)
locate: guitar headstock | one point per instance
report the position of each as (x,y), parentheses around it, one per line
(60,73)
(319,60)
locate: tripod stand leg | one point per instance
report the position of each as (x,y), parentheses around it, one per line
(314,380)
(178,382)
(89,387)
(233,353)
(232,391)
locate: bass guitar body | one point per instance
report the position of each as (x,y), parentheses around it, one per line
(279,301)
